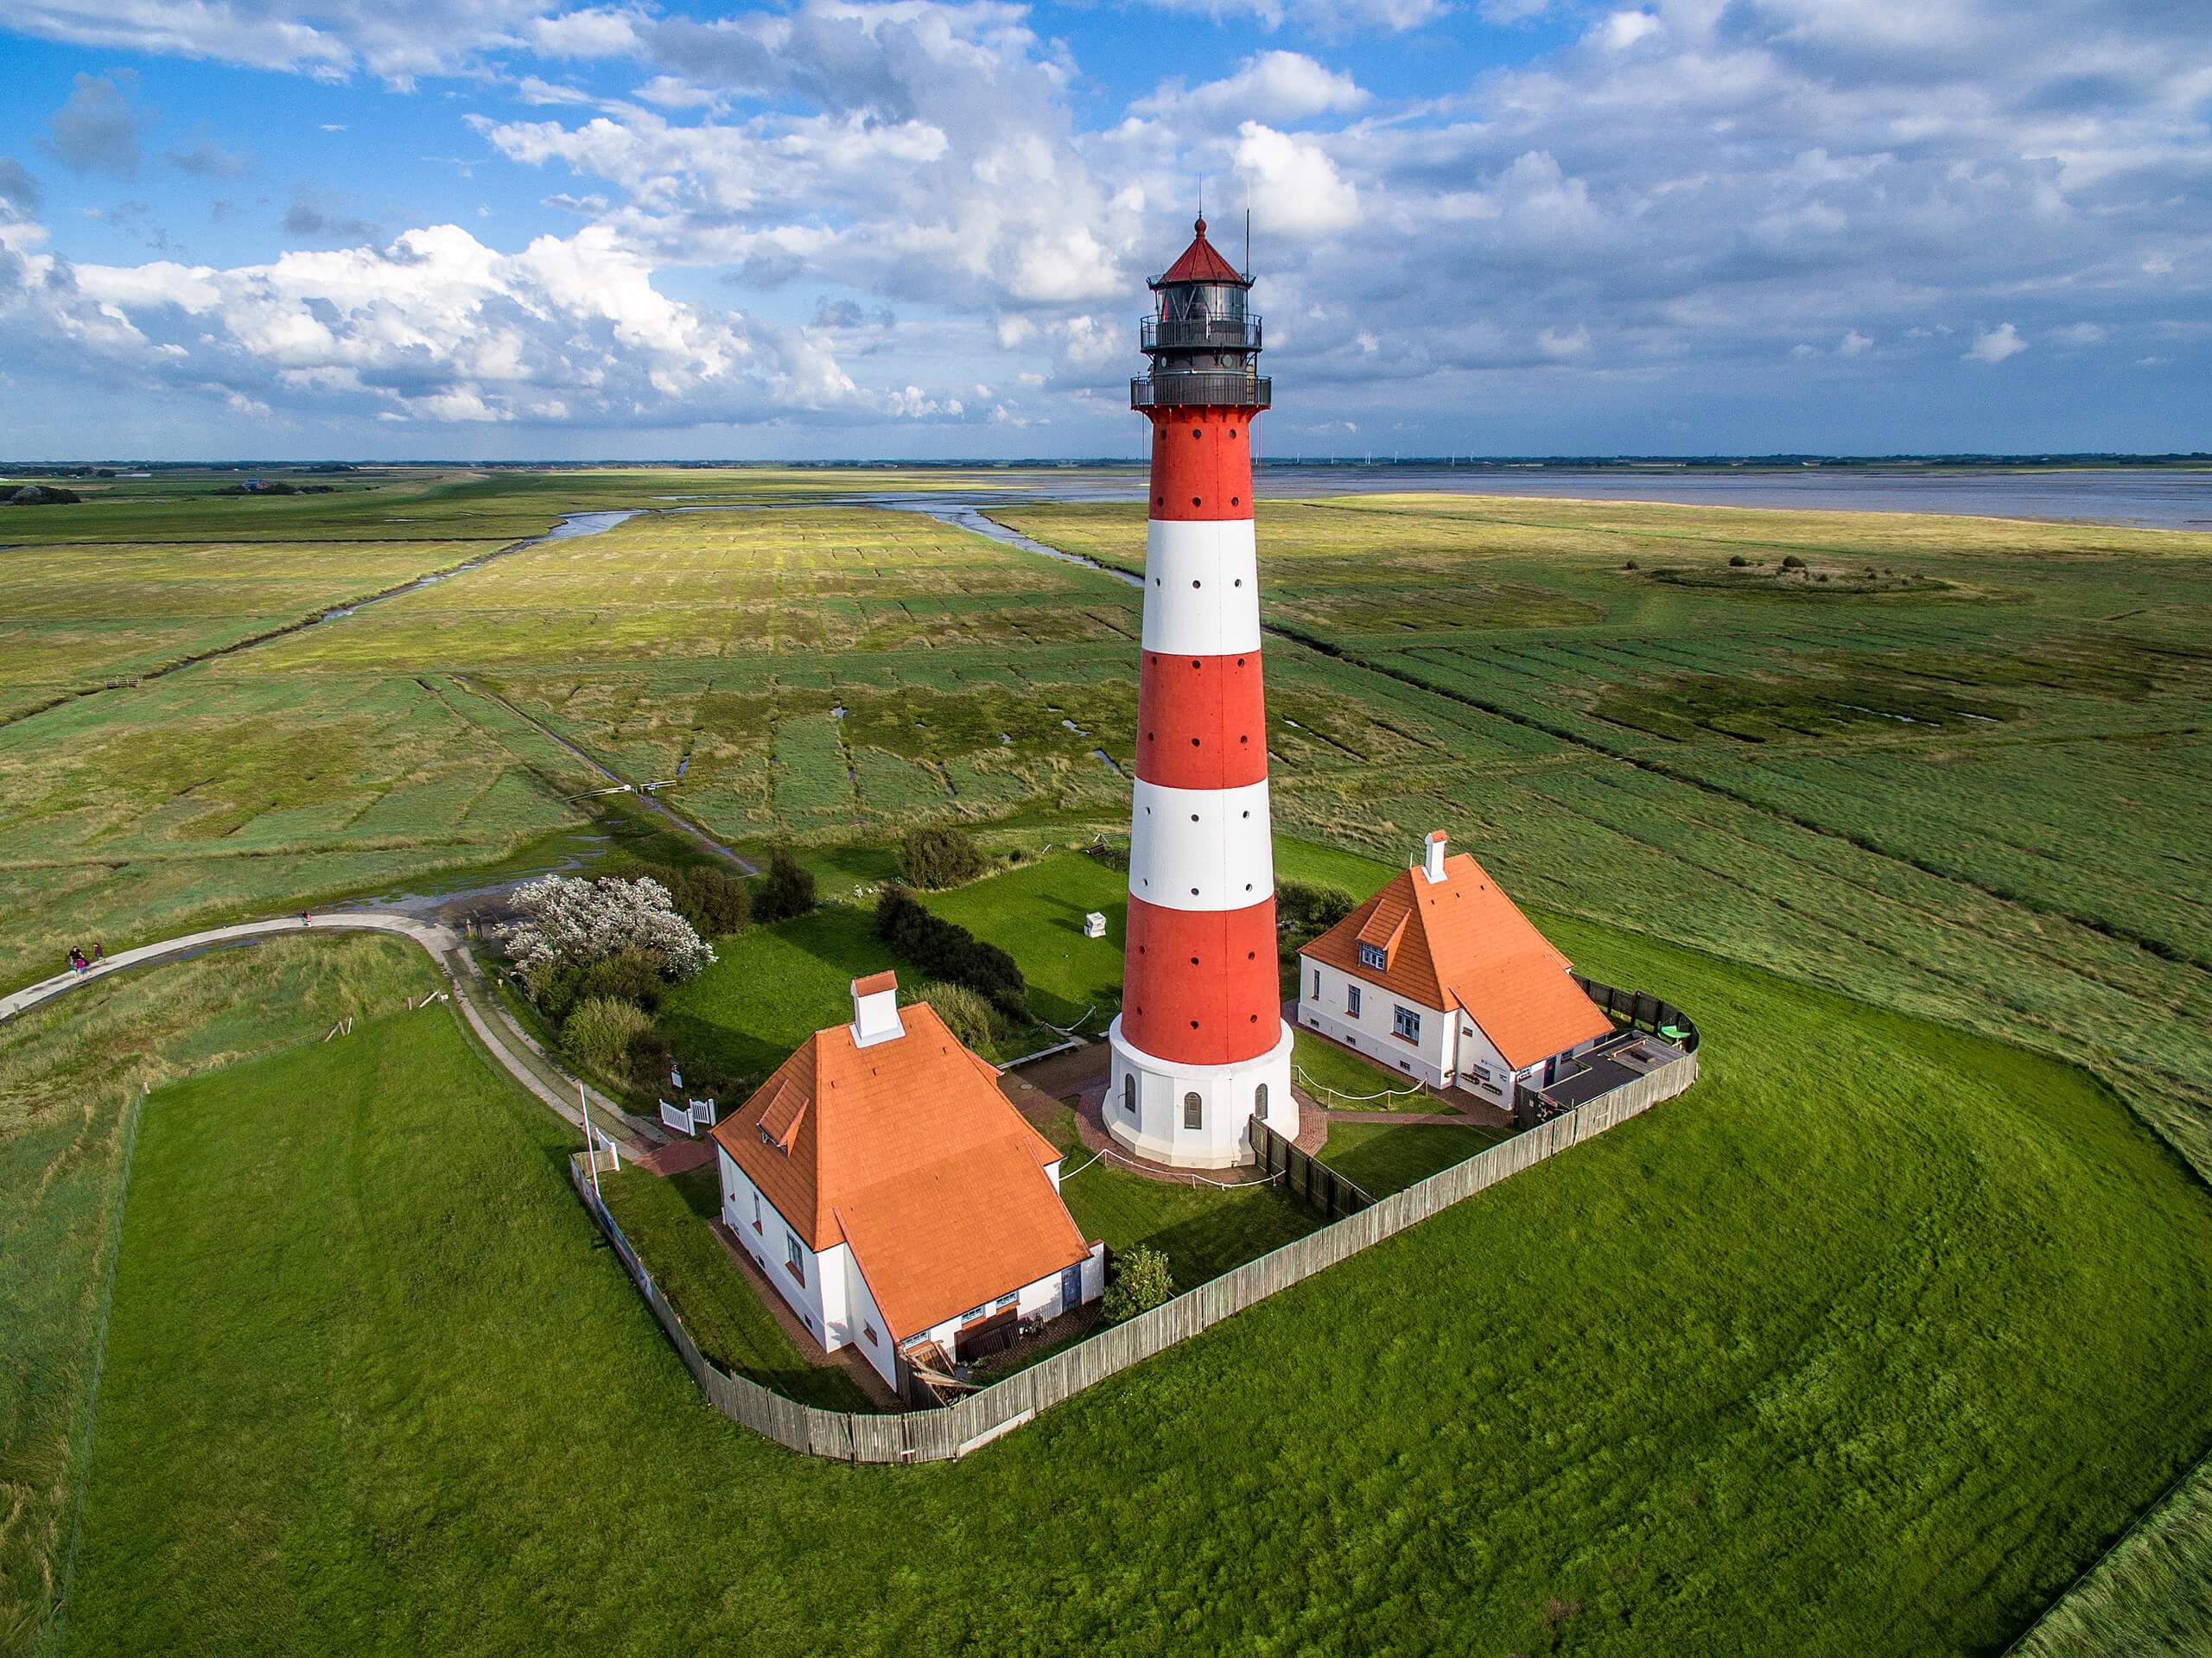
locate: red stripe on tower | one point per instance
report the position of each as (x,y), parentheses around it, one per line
(1200,1047)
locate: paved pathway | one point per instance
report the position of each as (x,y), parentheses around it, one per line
(507,1042)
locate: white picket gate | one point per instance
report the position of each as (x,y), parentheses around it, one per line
(691,1119)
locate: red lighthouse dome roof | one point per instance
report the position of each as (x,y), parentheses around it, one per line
(1200,262)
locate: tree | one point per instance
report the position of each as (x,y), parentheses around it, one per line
(601,1030)
(44,495)
(570,923)
(965,1013)
(631,976)
(717,901)
(1304,909)
(787,889)
(931,858)
(1140,1283)
(949,950)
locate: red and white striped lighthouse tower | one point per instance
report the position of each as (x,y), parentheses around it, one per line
(1200,1047)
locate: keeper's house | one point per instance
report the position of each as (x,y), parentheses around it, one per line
(1440,976)
(895,1196)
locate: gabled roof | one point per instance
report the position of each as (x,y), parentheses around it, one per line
(1460,945)
(906,1150)
(1200,262)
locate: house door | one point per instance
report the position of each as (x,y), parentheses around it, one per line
(1072,1288)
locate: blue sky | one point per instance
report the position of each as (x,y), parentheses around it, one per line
(513,229)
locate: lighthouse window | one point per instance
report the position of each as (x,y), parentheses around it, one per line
(1194,1111)
(1259,1102)
(1130,1093)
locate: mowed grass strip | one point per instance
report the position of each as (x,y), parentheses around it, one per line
(69,1073)
(1864,1347)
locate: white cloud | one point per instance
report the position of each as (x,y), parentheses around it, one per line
(2080,334)
(1282,86)
(1995,344)
(1622,29)
(1294,187)
(1854,344)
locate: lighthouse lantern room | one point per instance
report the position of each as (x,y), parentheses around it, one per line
(1200,1047)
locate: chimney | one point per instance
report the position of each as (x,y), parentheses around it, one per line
(875,1010)
(1434,867)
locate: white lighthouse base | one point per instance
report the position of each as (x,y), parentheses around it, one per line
(1159,1090)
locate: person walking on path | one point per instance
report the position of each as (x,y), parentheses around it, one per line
(306,920)
(99,951)
(76,959)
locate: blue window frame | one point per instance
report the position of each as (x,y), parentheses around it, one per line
(1406,1023)
(1374,955)
(1351,1000)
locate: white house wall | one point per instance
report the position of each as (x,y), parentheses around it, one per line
(765,1244)
(1041,1300)
(1371,1031)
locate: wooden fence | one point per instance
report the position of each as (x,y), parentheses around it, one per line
(1643,1011)
(937,1435)
(1322,1189)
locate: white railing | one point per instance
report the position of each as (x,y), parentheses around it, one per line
(688,1119)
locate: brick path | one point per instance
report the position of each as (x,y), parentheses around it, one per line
(677,1157)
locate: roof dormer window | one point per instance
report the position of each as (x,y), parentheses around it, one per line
(1374,955)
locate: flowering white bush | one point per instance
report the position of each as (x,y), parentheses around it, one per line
(569,922)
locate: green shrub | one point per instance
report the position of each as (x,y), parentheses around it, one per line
(716,901)
(966,1014)
(786,890)
(1739,562)
(631,976)
(1629,565)
(1791,562)
(931,858)
(946,950)
(598,1033)
(1140,1283)
(1304,909)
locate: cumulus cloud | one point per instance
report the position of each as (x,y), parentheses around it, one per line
(1293,186)
(1995,344)
(1281,86)
(97,131)
(306,219)
(208,160)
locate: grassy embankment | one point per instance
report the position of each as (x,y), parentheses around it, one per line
(71,1076)
(373,1337)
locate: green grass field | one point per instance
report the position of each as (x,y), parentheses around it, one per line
(70,1075)
(370,1388)
(1971,788)
(1380,1157)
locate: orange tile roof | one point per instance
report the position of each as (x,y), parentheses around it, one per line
(1461,943)
(906,1150)
(875,983)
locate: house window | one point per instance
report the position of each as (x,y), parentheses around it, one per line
(1317,984)
(1260,1102)
(1194,1111)
(1005,1301)
(756,1210)
(868,1332)
(1130,1092)
(973,1314)
(1373,956)
(1351,1000)
(794,1259)
(1406,1023)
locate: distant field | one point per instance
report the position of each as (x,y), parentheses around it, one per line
(71,618)
(1861,1349)
(1988,805)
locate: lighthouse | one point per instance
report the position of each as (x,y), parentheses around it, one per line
(1200,1048)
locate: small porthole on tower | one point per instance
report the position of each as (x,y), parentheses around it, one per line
(1195,663)
(1234,499)
(1195,432)
(1248,812)
(1244,739)
(1159,501)
(1240,661)
(1232,431)
(1195,582)
(1194,742)
(1194,891)
(1194,961)
(1194,500)
(1194,817)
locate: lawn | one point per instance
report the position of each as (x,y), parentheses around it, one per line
(1341,1081)
(70,1074)
(1864,1347)
(666,1224)
(772,987)
(1034,912)
(1204,1231)
(1380,1157)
